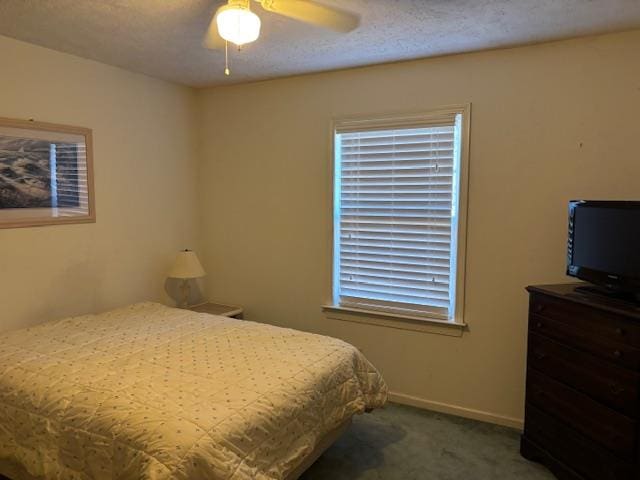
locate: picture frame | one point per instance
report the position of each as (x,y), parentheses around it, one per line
(46,174)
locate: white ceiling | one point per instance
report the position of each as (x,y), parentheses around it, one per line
(162,38)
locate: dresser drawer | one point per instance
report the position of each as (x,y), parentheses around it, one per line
(620,353)
(597,323)
(571,448)
(607,427)
(611,385)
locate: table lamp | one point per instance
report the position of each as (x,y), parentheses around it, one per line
(186,267)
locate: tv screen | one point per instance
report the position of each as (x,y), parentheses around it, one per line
(604,243)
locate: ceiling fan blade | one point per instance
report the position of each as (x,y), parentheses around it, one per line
(314,13)
(212,38)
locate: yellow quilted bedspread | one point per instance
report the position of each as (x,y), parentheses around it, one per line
(151,392)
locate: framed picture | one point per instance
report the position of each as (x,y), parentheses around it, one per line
(46,174)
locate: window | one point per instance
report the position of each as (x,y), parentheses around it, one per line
(399,209)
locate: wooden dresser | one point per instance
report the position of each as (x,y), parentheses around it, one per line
(583,396)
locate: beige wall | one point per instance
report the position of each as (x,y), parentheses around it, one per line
(549,123)
(144,158)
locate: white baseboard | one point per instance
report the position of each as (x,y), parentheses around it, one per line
(456,410)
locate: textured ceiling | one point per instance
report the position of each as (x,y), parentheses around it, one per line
(162,38)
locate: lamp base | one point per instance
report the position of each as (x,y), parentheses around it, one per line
(185,289)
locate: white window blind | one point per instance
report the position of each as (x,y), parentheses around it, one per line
(395,217)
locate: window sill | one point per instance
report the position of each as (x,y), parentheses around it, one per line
(392,320)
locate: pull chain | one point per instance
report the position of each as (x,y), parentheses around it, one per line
(226,58)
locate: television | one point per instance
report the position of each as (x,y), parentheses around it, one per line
(604,246)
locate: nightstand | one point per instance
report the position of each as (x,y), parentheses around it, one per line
(232,311)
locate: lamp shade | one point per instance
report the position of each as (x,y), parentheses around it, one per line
(238,24)
(187,265)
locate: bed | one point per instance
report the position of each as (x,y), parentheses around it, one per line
(152,392)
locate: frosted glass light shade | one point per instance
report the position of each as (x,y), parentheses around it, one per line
(187,265)
(237,24)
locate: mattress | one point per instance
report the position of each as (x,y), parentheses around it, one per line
(152,392)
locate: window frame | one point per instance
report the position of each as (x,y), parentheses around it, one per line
(406,120)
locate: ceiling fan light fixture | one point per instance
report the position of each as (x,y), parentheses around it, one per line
(237,23)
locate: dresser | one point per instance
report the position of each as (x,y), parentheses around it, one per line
(582,391)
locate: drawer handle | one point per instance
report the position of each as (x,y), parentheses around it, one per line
(539,308)
(616,389)
(538,324)
(620,331)
(617,354)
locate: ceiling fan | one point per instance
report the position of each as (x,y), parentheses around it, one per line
(235,22)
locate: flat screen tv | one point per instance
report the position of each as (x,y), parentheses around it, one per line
(604,245)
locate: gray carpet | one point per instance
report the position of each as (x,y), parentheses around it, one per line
(405,443)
